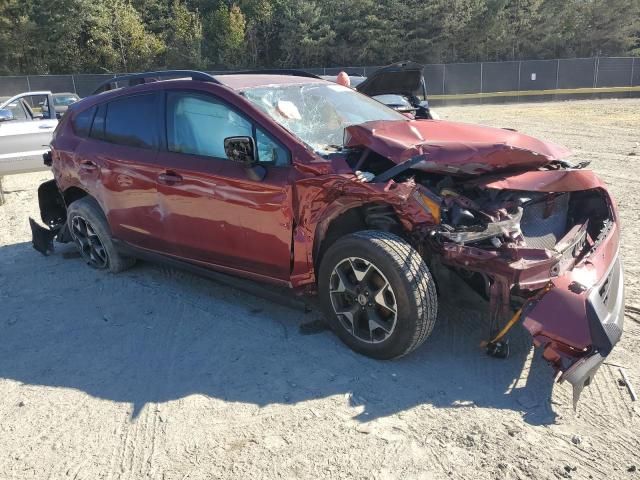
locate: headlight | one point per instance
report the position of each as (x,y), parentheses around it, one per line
(431,205)
(509,227)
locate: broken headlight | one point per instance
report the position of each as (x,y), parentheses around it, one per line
(509,227)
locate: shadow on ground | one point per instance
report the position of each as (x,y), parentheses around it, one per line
(154,334)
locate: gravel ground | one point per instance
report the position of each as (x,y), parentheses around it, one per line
(156,373)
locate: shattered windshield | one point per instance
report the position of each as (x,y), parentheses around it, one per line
(318,113)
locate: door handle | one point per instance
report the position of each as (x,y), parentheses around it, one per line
(88,165)
(169,178)
(45,127)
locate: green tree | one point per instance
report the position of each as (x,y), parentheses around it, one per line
(225,44)
(304,34)
(62,36)
(18,52)
(184,37)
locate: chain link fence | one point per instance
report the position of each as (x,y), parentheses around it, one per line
(485,80)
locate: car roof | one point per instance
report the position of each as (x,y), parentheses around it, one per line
(243,81)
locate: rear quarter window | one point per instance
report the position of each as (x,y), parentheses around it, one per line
(82,122)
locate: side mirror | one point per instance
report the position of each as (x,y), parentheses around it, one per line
(6,115)
(241,150)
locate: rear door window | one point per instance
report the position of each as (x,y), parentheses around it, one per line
(131,121)
(97,129)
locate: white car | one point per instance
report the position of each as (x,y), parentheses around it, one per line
(27,121)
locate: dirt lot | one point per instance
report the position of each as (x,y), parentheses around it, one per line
(156,373)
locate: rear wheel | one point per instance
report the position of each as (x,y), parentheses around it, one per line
(91,234)
(378,294)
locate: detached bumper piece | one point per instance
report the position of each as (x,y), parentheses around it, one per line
(577,326)
(53,213)
(42,238)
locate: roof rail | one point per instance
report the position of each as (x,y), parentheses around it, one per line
(140,78)
(273,71)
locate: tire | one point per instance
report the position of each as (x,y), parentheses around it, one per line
(90,232)
(344,269)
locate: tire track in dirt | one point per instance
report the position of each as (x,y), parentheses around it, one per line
(51,430)
(136,428)
(166,360)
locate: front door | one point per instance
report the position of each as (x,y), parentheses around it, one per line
(217,213)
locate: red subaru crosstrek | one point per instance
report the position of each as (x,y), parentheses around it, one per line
(293,180)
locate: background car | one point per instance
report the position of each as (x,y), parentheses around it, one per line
(27,121)
(61,102)
(400,86)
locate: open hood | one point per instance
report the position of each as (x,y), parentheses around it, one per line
(454,148)
(402,78)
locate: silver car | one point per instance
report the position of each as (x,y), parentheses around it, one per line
(27,121)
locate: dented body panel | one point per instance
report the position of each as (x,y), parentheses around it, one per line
(498,207)
(454,148)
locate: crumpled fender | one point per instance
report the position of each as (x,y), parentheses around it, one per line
(319,201)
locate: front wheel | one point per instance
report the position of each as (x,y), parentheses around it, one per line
(378,294)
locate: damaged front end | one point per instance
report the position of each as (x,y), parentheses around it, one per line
(552,255)
(528,232)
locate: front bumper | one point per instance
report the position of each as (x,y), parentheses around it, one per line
(576,323)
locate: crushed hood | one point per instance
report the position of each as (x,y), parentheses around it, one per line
(454,148)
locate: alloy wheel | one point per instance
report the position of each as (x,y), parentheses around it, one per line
(89,243)
(363,300)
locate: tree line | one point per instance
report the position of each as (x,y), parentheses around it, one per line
(98,36)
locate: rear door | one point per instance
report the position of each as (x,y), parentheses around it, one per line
(217,213)
(26,137)
(117,163)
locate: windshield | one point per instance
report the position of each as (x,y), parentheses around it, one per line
(318,113)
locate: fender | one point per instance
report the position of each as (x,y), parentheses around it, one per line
(320,200)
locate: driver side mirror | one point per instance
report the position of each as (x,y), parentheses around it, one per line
(6,115)
(241,150)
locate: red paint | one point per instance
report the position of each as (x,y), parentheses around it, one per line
(271,230)
(544,181)
(454,148)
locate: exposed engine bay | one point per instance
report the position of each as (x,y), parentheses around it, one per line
(567,225)
(533,234)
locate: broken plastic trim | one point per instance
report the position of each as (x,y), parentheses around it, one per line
(398,169)
(581,374)
(503,227)
(42,238)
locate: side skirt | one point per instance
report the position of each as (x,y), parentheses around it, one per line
(280,295)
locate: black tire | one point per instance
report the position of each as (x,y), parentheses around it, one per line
(86,211)
(413,293)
